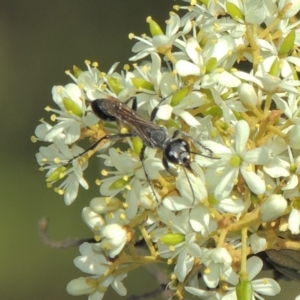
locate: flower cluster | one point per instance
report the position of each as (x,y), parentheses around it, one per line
(238,195)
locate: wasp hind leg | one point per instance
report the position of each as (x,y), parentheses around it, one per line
(142,158)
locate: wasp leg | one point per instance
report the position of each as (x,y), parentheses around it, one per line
(155,110)
(174,173)
(142,158)
(167,167)
(114,137)
(134,102)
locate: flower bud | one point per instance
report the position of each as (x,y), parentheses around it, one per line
(234,11)
(114,84)
(142,84)
(244,290)
(154,27)
(287,44)
(273,207)
(114,237)
(172,238)
(293,137)
(71,106)
(57,174)
(82,286)
(247,94)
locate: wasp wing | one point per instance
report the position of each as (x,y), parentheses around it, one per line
(141,126)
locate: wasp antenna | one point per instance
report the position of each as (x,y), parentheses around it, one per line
(198,153)
(188,179)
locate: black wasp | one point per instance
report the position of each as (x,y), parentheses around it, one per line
(175,150)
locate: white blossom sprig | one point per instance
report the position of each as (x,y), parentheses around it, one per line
(241,200)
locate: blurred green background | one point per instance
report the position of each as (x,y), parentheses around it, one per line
(39,40)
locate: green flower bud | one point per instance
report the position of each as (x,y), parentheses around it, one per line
(287,44)
(114,84)
(211,64)
(57,174)
(76,71)
(244,290)
(172,238)
(179,95)
(154,27)
(72,107)
(137,144)
(118,184)
(234,11)
(274,70)
(142,84)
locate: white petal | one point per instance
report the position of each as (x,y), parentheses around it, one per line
(176,203)
(231,206)
(294,221)
(193,192)
(255,183)
(257,156)
(192,47)
(227,79)
(79,286)
(225,185)
(242,131)
(118,285)
(273,207)
(254,266)
(257,243)
(212,278)
(266,286)
(184,265)
(164,112)
(188,118)
(277,167)
(292,183)
(200,293)
(185,68)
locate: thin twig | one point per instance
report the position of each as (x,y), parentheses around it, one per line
(64,244)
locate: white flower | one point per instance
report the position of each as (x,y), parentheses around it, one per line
(264,286)
(217,261)
(72,115)
(147,45)
(197,67)
(94,220)
(113,239)
(192,100)
(55,158)
(232,205)
(236,160)
(94,263)
(187,250)
(129,170)
(290,7)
